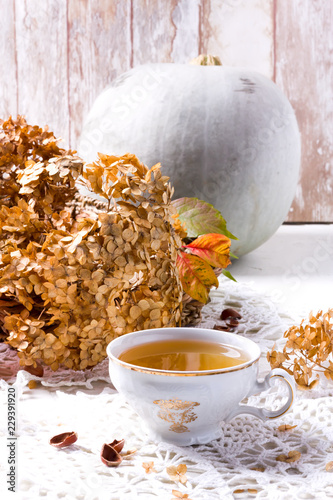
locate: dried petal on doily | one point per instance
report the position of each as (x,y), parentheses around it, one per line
(64,439)
(311,385)
(110,456)
(251,491)
(229,312)
(292,456)
(177,473)
(286,427)
(178,495)
(259,468)
(117,445)
(129,453)
(32,384)
(329,467)
(149,467)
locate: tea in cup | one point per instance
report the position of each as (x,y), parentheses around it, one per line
(184,382)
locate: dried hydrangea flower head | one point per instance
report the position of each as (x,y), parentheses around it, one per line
(69,285)
(307,351)
(25,152)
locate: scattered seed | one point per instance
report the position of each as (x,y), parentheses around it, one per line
(64,439)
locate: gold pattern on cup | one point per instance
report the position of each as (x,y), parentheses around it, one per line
(177,412)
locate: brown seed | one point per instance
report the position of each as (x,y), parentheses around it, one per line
(232,322)
(229,312)
(117,445)
(64,439)
(222,328)
(110,456)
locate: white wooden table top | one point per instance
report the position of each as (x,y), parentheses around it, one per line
(295,267)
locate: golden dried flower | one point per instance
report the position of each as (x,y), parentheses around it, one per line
(71,282)
(329,467)
(308,350)
(286,427)
(178,473)
(292,456)
(260,468)
(178,495)
(251,491)
(149,467)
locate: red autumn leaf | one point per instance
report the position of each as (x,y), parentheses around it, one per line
(212,248)
(196,276)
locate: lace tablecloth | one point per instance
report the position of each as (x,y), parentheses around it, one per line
(240,465)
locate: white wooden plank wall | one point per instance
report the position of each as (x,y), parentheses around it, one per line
(42,70)
(8,75)
(99,49)
(57,56)
(304,70)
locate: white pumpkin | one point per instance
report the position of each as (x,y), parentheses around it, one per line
(225,135)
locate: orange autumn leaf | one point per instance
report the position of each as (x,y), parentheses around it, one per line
(212,248)
(196,276)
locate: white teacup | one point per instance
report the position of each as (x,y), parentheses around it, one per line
(185,407)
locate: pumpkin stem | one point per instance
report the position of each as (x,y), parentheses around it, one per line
(206,60)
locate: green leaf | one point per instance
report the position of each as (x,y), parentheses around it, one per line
(229,275)
(200,217)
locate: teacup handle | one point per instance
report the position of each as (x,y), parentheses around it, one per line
(262,413)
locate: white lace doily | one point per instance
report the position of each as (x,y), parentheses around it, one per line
(86,403)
